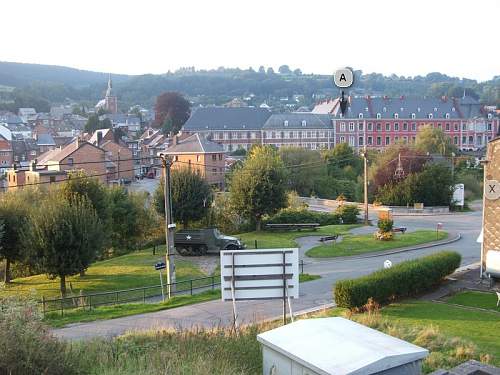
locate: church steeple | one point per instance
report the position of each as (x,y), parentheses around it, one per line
(110,86)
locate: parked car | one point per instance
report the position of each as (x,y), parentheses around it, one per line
(203,241)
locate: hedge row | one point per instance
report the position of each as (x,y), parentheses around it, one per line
(406,279)
(290,216)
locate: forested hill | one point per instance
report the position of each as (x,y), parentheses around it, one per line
(56,84)
(19,74)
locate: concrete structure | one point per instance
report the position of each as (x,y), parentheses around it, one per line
(6,152)
(232,128)
(382,121)
(201,155)
(491,210)
(299,129)
(376,122)
(336,346)
(110,101)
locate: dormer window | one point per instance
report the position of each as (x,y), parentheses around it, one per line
(379,115)
(447,115)
(413,116)
(304,123)
(453,109)
(418,109)
(385,109)
(366,109)
(401,109)
(435,109)
(490,116)
(285,123)
(430,115)
(396,115)
(360,115)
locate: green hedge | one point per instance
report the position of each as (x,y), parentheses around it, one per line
(348,213)
(291,216)
(406,279)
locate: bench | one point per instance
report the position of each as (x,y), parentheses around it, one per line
(312,226)
(399,229)
(329,238)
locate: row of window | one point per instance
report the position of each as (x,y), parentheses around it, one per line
(466,140)
(413,126)
(294,134)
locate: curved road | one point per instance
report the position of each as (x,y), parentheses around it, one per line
(313,294)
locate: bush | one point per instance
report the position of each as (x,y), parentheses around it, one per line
(293,216)
(348,213)
(406,279)
(26,347)
(385,225)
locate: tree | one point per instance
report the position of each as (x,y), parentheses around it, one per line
(79,185)
(434,141)
(343,162)
(262,70)
(297,72)
(64,239)
(284,69)
(191,196)
(270,71)
(258,187)
(305,167)
(124,217)
(92,124)
(173,106)
(13,217)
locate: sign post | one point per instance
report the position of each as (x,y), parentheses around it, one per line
(438,227)
(161,266)
(260,275)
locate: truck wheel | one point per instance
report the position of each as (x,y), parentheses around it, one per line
(202,250)
(231,247)
(183,251)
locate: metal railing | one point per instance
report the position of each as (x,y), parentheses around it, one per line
(87,302)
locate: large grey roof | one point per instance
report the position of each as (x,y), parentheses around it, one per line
(404,107)
(195,144)
(295,120)
(220,118)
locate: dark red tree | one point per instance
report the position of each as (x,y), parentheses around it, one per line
(172,111)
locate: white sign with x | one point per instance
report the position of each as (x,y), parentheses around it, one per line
(492,189)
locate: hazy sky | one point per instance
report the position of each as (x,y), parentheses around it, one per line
(455,37)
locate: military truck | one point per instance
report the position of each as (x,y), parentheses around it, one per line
(203,241)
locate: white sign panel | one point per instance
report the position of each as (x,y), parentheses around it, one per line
(459,194)
(258,274)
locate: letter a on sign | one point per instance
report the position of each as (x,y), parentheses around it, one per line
(342,78)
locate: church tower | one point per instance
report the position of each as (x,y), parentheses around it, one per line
(110,101)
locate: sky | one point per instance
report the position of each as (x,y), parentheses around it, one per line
(405,37)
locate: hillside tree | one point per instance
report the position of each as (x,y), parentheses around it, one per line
(258,188)
(191,196)
(63,238)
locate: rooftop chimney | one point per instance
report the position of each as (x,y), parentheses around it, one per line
(99,138)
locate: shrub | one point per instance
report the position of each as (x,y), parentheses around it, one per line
(26,346)
(385,225)
(348,213)
(293,216)
(406,279)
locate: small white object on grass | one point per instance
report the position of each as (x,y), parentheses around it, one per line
(387,264)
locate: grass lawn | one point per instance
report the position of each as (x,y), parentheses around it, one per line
(111,312)
(132,270)
(482,300)
(366,243)
(305,277)
(480,327)
(278,239)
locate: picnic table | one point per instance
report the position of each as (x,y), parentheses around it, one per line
(299,227)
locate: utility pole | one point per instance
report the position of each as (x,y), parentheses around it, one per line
(453,166)
(365,162)
(169,226)
(119,182)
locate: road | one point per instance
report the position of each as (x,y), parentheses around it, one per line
(312,294)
